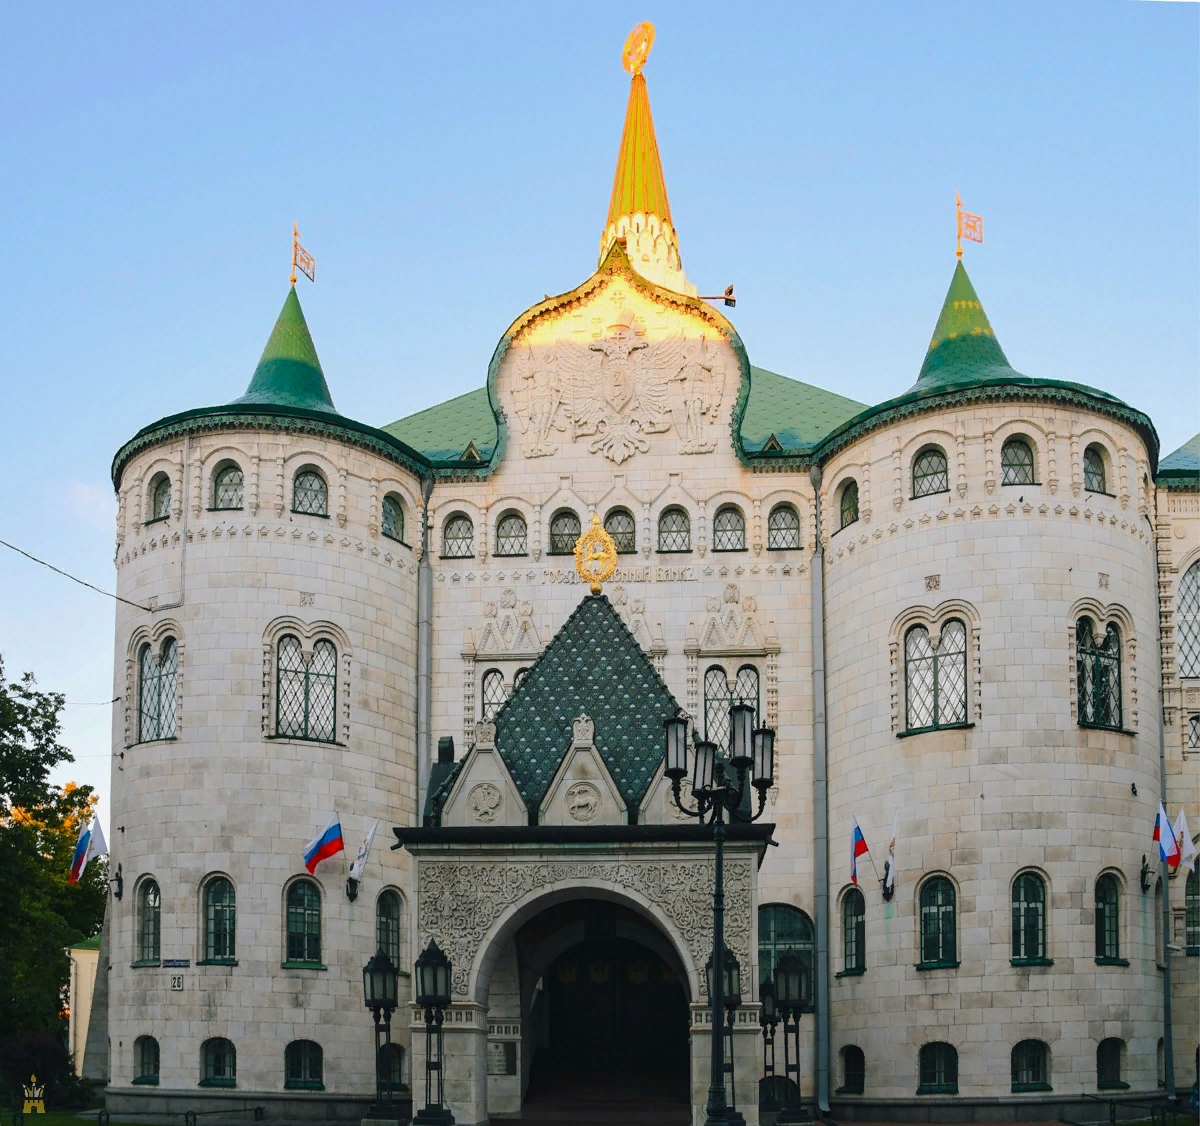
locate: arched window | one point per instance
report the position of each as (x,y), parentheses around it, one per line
(849,504)
(1108,930)
(310,494)
(1028,918)
(938,1069)
(1093,470)
(939,946)
(519,676)
(303,924)
(1098,666)
(620,525)
(935,680)
(306,692)
(854,1071)
(1016,466)
(160,499)
(718,700)
(492,694)
(511,535)
(782,930)
(1030,1066)
(220,921)
(303,1066)
(674,531)
(218,1063)
(387,926)
(157,691)
(930,473)
(1191,899)
(729,529)
(145,1061)
(564,531)
(228,485)
(149,923)
(391,1066)
(458,537)
(392,522)
(1187,621)
(783,528)
(1108,1064)
(854,932)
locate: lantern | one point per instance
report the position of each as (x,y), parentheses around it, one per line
(766,994)
(741,721)
(791,983)
(732,979)
(433,978)
(675,754)
(702,768)
(763,771)
(379,982)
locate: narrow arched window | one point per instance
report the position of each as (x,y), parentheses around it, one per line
(228,487)
(310,494)
(303,923)
(392,522)
(1193,734)
(1016,463)
(303,1066)
(1108,1064)
(149,923)
(306,693)
(939,946)
(935,679)
(620,525)
(157,691)
(1187,621)
(930,473)
(391,1066)
(220,921)
(519,676)
(1030,1066)
(160,499)
(854,932)
(1093,470)
(1108,930)
(716,707)
(938,1069)
(458,537)
(849,504)
(564,531)
(1098,665)
(854,1071)
(674,531)
(783,929)
(145,1061)
(511,535)
(1028,918)
(218,1063)
(1191,899)
(783,528)
(493,694)
(729,529)
(387,926)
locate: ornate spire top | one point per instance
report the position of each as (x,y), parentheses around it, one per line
(596,556)
(637,48)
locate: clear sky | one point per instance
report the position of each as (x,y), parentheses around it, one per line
(449,164)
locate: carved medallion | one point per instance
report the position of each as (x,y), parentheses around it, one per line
(484,803)
(685,796)
(582,801)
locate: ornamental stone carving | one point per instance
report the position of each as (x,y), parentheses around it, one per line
(582,800)
(485,803)
(583,730)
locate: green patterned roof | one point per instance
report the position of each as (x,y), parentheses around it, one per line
(443,433)
(1181,467)
(798,414)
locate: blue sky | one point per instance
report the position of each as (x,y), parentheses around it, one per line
(450,164)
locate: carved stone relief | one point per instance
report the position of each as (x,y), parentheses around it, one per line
(582,801)
(485,803)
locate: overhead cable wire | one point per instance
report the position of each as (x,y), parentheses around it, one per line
(81,582)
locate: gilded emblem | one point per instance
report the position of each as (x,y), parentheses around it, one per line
(596,556)
(637,47)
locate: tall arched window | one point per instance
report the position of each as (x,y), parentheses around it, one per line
(848,504)
(306,692)
(310,494)
(935,680)
(1187,621)
(157,691)
(782,930)
(458,537)
(303,924)
(1108,1064)
(729,529)
(492,694)
(160,498)
(1030,1066)
(228,487)
(674,531)
(1108,919)
(511,535)
(620,525)
(145,1061)
(149,923)
(1098,666)
(218,1063)
(854,1071)
(564,531)
(939,945)
(854,932)
(1191,899)
(938,1069)
(220,921)
(783,528)
(1028,918)
(391,1066)
(1016,463)
(303,1066)
(930,473)
(392,522)
(387,925)
(1093,470)
(718,700)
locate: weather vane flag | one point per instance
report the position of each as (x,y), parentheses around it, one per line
(969,226)
(301,259)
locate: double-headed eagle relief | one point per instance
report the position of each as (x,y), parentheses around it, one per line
(617,389)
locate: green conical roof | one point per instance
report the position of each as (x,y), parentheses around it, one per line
(964,348)
(289,373)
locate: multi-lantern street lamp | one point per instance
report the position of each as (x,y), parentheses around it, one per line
(433,995)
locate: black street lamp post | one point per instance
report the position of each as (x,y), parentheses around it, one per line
(768,1018)
(791,995)
(379,995)
(733,999)
(433,994)
(719,785)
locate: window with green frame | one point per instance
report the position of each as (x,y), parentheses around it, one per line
(310,494)
(1028,918)
(218,1063)
(1191,898)
(729,529)
(1093,470)
(1187,622)
(854,932)
(145,1061)
(564,531)
(160,499)
(306,691)
(620,525)
(939,944)
(1016,463)
(391,1066)
(303,1066)
(783,528)
(228,488)
(783,929)
(220,920)
(938,1066)
(1098,668)
(935,679)
(930,473)
(1108,1064)
(848,507)
(388,925)
(304,923)
(149,923)
(854,1071)
(1030,1066)
(1108,919)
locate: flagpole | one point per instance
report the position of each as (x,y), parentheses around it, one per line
(296,239)
(957,228)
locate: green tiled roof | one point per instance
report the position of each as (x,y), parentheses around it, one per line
(92,943)
(798,414)
(443,433)
(1181,467)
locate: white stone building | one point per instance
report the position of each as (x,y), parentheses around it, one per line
(1003,576)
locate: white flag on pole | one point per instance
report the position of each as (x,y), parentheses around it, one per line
(890,880)
(360,861)
(1183,841)
(98,846)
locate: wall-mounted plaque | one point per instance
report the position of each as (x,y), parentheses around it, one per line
(502,1057)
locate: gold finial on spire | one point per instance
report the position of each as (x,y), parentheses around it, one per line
(637,47)
(967,225)
(596,556)
(301,259)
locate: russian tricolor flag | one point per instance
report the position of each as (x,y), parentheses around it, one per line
(80,859)
(1168,849)
(858,846)
(324,845)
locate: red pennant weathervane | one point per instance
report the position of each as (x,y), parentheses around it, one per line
(301,259)
(969,226)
